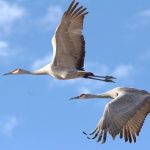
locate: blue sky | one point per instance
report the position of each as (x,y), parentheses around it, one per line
(35,111)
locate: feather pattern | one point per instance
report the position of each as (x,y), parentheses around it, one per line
(124,115)
(68,42)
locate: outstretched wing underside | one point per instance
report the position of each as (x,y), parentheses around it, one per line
(124,116)
(68,41)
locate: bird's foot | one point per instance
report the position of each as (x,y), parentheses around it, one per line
(110,77)
(108,80)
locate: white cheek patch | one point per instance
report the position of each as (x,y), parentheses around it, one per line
(15,71)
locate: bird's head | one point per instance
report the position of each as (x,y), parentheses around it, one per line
(82,96)
(17,71)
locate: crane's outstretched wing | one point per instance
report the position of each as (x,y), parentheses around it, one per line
(124,115)
(68,41)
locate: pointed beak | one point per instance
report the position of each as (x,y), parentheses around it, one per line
(7,73)
(77,97)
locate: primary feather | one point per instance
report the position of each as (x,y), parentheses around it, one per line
(124,115)
(68,49)
(68,40)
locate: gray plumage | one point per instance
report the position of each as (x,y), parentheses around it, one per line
(68,49)
(124,115)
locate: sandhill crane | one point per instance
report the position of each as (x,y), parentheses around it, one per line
(124,115)
(68,49)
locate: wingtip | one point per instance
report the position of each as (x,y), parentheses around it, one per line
(84,133)
(73,1)
(88,138)
(85,13)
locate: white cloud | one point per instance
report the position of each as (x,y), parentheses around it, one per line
(39,63)
(145,13)
(140,20)
(8,125)
(144,17)
(7,51)
(9,14)
(3,44)
(4,49)
(97,68)
(85,90)
(53,16)
(123,71)
(145,56)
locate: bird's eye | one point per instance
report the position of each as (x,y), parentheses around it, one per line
(117,94)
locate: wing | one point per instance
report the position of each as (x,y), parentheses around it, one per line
(124,115)
(68,41)
(134,125)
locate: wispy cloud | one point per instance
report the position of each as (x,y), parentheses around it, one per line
(85,90)
(123,71)
(3,49)
(52,17)
(9,14)
(140,20)
(145,56)
(8,125)
(145,13)
(89,86)
(144,17)
(7,51)
(97,68)
(41,62)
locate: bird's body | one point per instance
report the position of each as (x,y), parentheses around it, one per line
(124,114)
(68,49)
(63,73)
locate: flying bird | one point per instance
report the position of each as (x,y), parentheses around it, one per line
(68,49)
(123,116)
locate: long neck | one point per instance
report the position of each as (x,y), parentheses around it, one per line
(43,71)
(39,72)
(103,95)
(35,72)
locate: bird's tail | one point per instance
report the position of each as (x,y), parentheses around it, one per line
(90,75)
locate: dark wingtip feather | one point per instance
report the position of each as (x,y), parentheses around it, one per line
(85,13)
(129,135)
(73,8)
(84,133)
(134,138)
(125,135)
(81,11)
(121,134)
(70,6)
(100,137)
(95,136)
(75,11)
(104,137)
(93,131)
